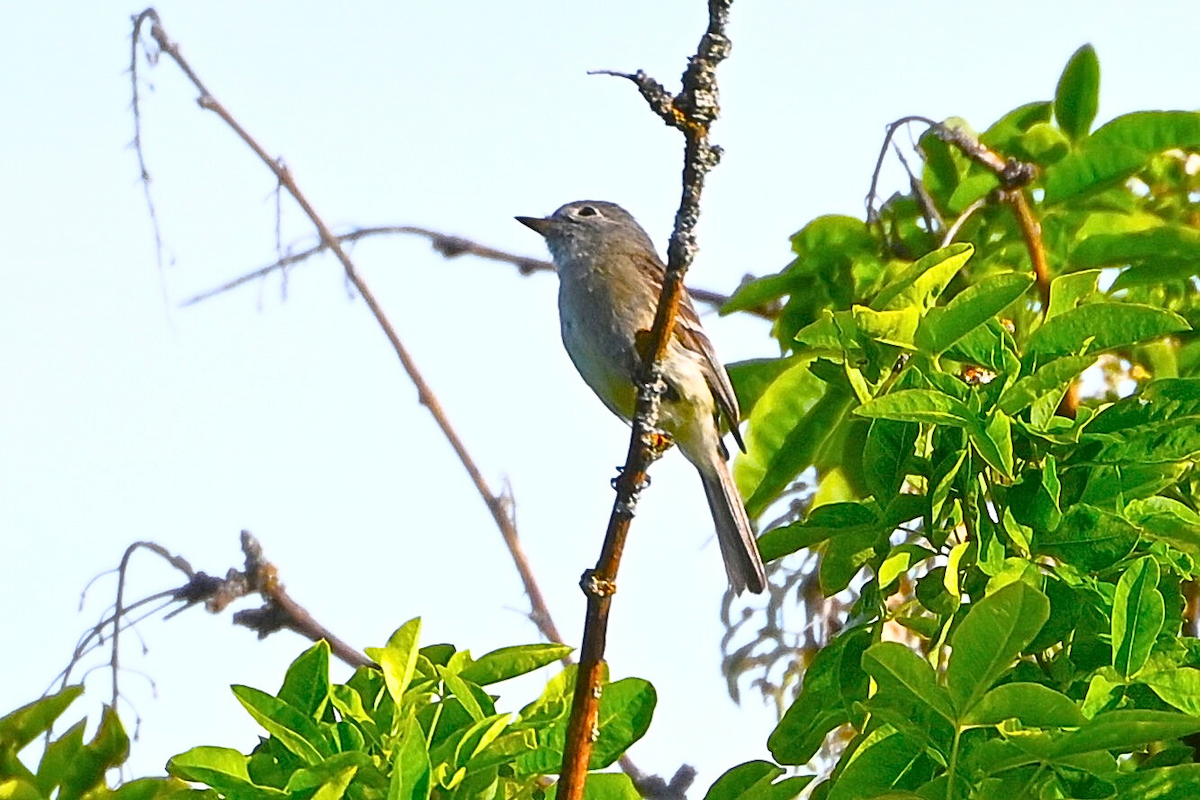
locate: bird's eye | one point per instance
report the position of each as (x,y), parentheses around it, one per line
(587,211)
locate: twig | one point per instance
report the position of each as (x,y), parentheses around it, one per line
(1031,231)
(279,610)
(692,112)
(260,577)
(448,246)
(873,192)
(956,226)
(540,613)
(144,176)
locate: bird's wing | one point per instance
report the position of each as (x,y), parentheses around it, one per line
(691,334)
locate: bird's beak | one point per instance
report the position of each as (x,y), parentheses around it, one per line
(540,224)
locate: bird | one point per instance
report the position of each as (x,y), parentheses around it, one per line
(610,280)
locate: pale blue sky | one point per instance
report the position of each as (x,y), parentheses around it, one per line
(123,417)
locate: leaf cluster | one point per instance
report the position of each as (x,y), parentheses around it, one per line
(1026,530)
(421,726)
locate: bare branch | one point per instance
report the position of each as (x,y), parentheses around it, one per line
(448,246)
(540,613)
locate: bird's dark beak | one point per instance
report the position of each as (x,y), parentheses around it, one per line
(540,224)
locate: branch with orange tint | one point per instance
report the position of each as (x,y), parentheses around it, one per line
(692,112)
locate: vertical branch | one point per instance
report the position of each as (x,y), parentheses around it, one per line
(1031,232)
(692,112)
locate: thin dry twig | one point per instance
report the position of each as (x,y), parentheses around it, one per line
(1014,175)
(692,112)
(540,613)
(448,246)
(259,576)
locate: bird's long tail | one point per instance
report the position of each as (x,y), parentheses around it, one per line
(738,546)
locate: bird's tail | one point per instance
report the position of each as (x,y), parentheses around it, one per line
(738,546)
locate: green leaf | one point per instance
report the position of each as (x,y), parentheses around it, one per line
(788,429)
(328,771)
(221,768)
(1090,170)
(994,443)
(75,767)
(754,780)
(1006,132)
(412,773)
(1124,731)
(1162,242)
(509,662)
(894,327)
(899,561)
(30,721)
(503,749)
(1181,782)
(921,284)
(832,519)
(844,555)
(1077,96)
(306,684)
(1052,377)
(970,308)
(1097,327)
(399,658)
(335,787)
(1168,520)
(1159,425)
(993,633)
(478,738)
(555,700)
(1151,132)
(1031,704)
(905,680)
(1137,615)
(626,708)
(886,453)
(1088,538)
(751,378)
(833,683)
(1179,686)
(881,762)
(919,405)
(1072,290)
(294,729)
(459,688)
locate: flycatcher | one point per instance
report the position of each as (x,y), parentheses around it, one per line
(610,278)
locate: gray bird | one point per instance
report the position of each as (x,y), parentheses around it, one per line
(610,278)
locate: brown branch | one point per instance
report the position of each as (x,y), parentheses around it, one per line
(1012,172)
(260,577)
(279,610)
(1031,231)
(497,505)
(448,246)
(692,112)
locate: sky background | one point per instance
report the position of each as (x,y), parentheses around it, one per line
(124,417)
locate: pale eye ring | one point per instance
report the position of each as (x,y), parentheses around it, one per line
(587,211)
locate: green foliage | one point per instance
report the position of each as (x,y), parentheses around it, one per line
(420,727)
(1028,532)
(71,768)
